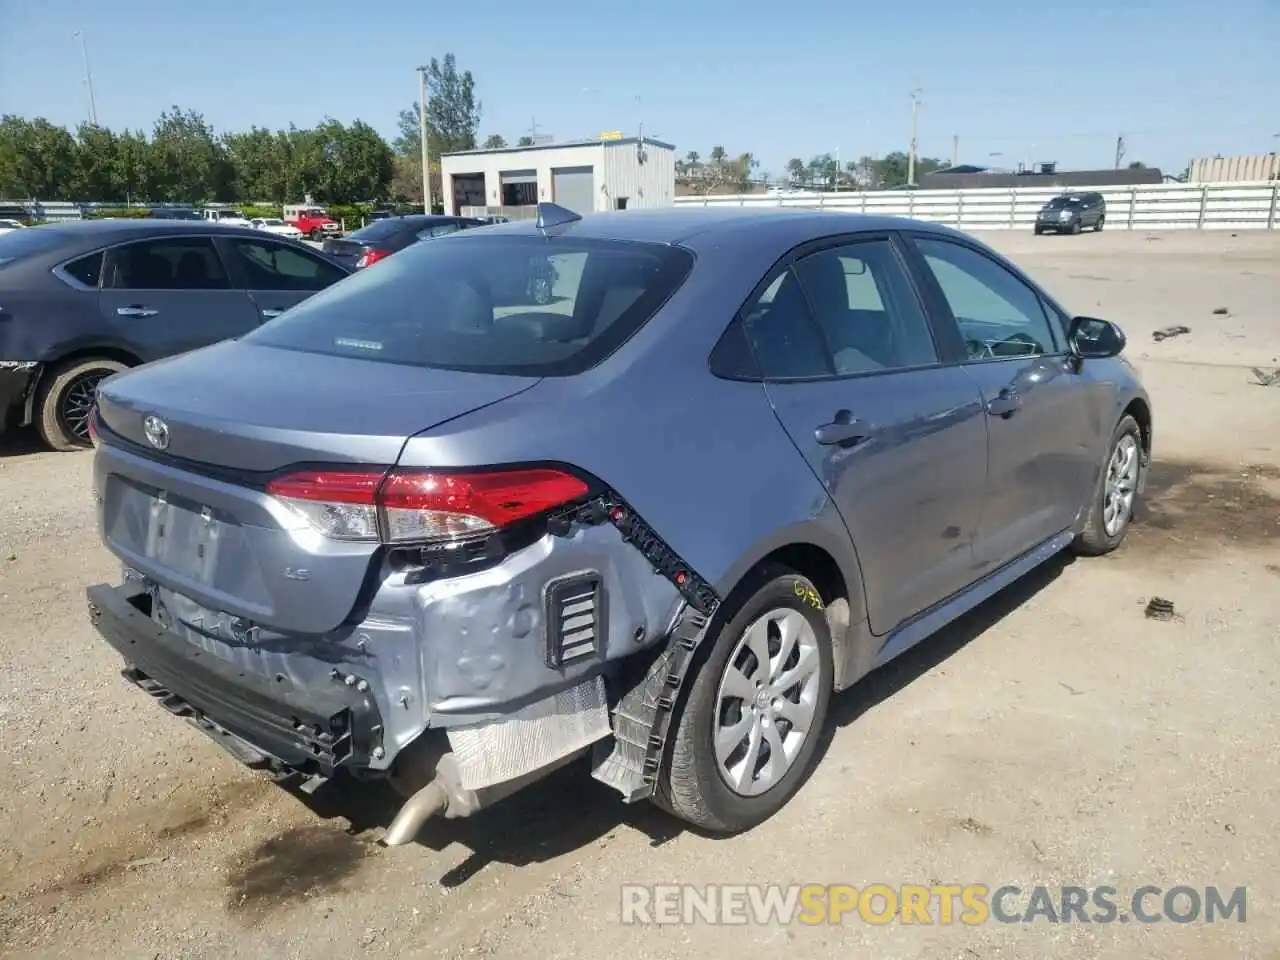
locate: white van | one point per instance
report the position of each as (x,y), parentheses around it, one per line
(232,218)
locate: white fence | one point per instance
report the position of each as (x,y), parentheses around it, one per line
(1199,206)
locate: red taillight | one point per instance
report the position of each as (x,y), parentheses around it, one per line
(409,506)
(370,257)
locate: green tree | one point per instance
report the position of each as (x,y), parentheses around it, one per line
(37,159)
(525,141)
(261,162)
(132,167)
(796,170)
(453,112)
(96,172)
(495,141)
(189,163)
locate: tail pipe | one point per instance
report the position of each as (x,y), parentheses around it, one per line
(431,800)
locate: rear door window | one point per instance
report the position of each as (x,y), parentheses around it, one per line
(473,304)
(867,309)
(86,270)
(181,263)
(276,266)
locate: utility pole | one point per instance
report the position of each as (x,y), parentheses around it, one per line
(88,78)
(1119,150)
(955,149)
(422,128)
(911,155)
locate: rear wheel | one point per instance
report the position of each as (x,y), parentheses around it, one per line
(1116,494)
(747,734)
(66,398)
(1098,225)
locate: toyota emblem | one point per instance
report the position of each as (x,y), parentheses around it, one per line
(156,431)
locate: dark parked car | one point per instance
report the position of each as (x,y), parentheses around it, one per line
(178,213)
(1072,212)
(80,301)
(744,459)
(381,238)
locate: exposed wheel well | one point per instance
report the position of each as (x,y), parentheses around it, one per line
(815,564)
(106,353)
(1139,410)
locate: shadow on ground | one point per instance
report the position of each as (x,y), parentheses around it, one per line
(20,443)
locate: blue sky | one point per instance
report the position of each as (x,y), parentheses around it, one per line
(1025,80)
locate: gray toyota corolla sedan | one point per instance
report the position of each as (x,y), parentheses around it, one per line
(420,530)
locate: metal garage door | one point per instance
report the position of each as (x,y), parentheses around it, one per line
(575,188)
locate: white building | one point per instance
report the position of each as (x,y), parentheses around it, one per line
(583,176)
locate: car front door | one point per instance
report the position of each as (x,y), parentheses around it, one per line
(853,372)
(172,295)
(277,275)
(1041,456)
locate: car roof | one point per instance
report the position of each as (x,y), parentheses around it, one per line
(83,236)
(694,226)
(126,227)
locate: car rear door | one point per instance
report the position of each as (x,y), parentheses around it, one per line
(895,435)
(172,294)
(1042,448)
(277,275)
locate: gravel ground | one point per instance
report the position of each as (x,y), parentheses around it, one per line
(1054,736)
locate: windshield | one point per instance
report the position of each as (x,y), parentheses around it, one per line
(523,306)
(1061,203)
(23,243)
(273,222)
(379,230)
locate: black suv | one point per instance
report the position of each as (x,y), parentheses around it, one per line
(1071,213)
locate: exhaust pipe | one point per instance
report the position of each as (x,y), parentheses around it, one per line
(431,800)
(444,792)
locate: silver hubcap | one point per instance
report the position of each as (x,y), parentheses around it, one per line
(766,701)
(1121,486)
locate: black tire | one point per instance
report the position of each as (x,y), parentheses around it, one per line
(1097,227)
(1075,227)
(60,399)
(1094,540)
(1038,230)
(692,786)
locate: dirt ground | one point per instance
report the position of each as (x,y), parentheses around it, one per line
(1054,736)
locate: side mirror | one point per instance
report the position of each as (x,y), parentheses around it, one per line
(1094,339)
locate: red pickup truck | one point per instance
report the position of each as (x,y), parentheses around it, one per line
(313,221)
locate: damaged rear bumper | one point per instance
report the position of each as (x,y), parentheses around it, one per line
(263,721)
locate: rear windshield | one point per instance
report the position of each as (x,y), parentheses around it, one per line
(488,304)
(379,230)
(23,243)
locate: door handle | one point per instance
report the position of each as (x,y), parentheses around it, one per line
(1005,404)
(136,311)
(270,313)
(844,430)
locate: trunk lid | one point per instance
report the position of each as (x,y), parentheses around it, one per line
(346,252)
(256,409)
(194,517)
